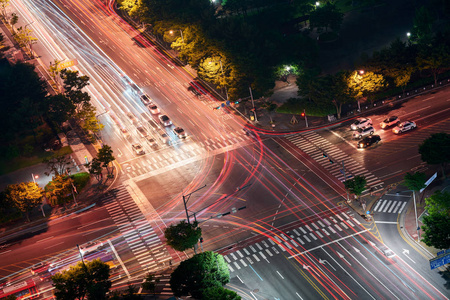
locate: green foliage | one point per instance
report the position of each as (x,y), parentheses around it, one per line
(422,32)
(59,190)
(105,156)
(80,180)
(436,225)
(435,59)
(56,164)
(73,85)
(416,181)
(365,85)
(59,108)
(220,293)
(197,274)
(24,38)
(435,150)
(183,235)
(25,196)
(356,185)
(150,283)
(327,16)
(95,168)
(90,280)
(297,105)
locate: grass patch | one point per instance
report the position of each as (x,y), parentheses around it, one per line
(17,163)
(80,180)
(297,105)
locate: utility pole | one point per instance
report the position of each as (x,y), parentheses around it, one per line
(253,103)
(345,179)
(186,199)
(306,118)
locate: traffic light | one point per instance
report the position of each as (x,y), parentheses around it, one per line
(325,155)
(218,107)
(330,161)
(302,114)
(201,239)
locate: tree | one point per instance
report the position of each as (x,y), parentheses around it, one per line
(403,76)
(150,283)
(3,5)
(95,168)
(435,150)
(13,21)
(183,235)
(73,84)
(339,91)
(105,156)
(416,181)
(58,190)
(24,38)
(326,16)
(220,293)
(202,271)
(365,84)
(56,164)
(25,196)
(270,107)
(356,185)
(53,69)
(89,279)
(436,225)
(436,59)
(59,108)
(88,116)
(422,31)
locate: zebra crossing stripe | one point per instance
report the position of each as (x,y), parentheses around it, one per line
(343,225)
(234,256)
(296,232)
(257,245)
(249,260)
(270,240)
(284,237)
(246,251)
(282,248)
(313,236)
(403,206)
(303,230)
(397,206)
(337,226)
(240,254)
(243,262)
(356,221)
(227,259)
(300,241)
(387,206)
(326,232)
(350,223)
(265,244)
(340,218)
(306,238)
(320,223)
(309,228)
(231,268)
(315,226)
(268,252)
(236,265)
(326,221)
(253,248)
(293,242)
(256,257)
(319,234)
(287,245)
(275,250)
(332,230)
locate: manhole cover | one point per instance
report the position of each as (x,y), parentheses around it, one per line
(256,291)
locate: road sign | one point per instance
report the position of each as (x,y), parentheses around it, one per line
(439,261)
(368,212)
(67,64)
(429,181)
(443,252)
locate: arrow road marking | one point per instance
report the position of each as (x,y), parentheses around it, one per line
(309,267)
(322,261)
(405,252)
(342,257)
(357,250)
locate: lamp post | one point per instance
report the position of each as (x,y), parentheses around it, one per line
(223,76)
(253,103)
(34,177)
(360,72)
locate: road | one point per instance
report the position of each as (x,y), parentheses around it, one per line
(293,195)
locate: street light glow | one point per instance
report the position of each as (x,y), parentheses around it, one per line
(408,34)
(317,3)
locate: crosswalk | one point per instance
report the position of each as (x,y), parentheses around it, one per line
(135,229)
(390,206)
(299,238)
(182,152)
(315,146)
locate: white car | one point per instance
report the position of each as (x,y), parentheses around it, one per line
(388,252)
(146,99)
(165,120)
(363,132)
(154,109)
(137,148)
(179,132)
(90,247)
(361,123)
(404,126)
(388,122)
(125,132)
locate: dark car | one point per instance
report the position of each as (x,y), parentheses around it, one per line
(369,141)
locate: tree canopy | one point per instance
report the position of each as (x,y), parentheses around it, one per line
(195,275)
(435,150)
(356,185)
(415,181)
(89,280)
(183,235)
(436,225)
(25,196)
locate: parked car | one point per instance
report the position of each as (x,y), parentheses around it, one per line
(363,132)
(388,122)
(369,141)
(90,247)
(361,123)
(145,99)
(179,132)
(154,109)
(404,126)
(138,149)
(165,120)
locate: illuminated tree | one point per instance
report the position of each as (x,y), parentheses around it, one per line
(436,59)
(25,196)
(365,84)
(403,76)
(95,168)
(105,156)
(56,164)
(73,85)
(422,31)
(88,117)
(3,5)
(58,190)
(13,21)
(24,38)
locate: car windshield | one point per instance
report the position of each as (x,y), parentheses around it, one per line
(164,118)
(154,107)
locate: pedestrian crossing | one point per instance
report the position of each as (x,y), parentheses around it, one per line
(182,152)
(390,206)
(140,237)
(315,146)
(298,239)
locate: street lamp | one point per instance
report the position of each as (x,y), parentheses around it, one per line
(34,177)
(317,4)
(223,77)
(360,73)
(408,34)
(181,33)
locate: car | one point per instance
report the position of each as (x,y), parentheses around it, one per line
(163,136)
(132,118)
(39,268)
(404,126)
(90,247)
(388,252)
(361,123)
(163,119)
(388,122)
(179,132)
(194,91)
(154,109)
(369,141)
(145,99)
(45,276)
(358,134)
(125,132)
(152,142)
(198,87)
(126,81)
(138,149)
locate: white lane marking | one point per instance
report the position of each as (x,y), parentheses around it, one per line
(280,275)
